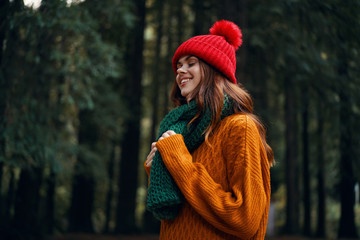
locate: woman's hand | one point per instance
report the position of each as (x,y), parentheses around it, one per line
(167,134)
(151,155)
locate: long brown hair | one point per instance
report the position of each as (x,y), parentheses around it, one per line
(210,92)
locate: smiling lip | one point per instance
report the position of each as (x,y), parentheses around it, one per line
(184,81)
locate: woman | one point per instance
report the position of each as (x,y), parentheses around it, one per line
(212,147)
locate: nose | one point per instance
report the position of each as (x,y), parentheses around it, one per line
(181,70)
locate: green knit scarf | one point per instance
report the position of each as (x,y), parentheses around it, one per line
(164,198)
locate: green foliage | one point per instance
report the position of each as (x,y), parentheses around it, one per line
(306,43)
(62,59)
(57,64)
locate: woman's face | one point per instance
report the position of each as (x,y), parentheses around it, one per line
(188,75)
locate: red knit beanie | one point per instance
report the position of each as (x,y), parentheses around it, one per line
(217,49)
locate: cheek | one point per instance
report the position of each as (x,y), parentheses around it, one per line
(198,78)
(199,73)
(196,84)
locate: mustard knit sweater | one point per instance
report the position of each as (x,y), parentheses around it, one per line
(226,185)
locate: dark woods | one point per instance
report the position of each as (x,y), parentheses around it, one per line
(83,87)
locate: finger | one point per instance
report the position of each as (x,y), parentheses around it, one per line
(153,150)
(171,132)
(151,157)
(161,138)
(153,145)
(148,157)
(148,164)
(165,135)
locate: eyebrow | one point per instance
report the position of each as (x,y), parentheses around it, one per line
(190,56)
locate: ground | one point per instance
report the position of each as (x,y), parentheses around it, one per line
(146,237)
(103,237)
(136,237)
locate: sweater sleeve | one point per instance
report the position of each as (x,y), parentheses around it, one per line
(240,210)
(147,169)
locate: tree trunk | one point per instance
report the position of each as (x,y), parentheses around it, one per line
(2,204)
(151,224)
(10,197)
(292,202)
(83,184)
(4,11)
(320,232)
(236,11)
(50,205)
(125,215)
(169,73)
(82,199)
(179,15)
(110,194)
(200,18)
(27,202)
(229,10)
(156,74)
(347,227)
(306,175)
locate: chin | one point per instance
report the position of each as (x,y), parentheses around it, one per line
(184,94)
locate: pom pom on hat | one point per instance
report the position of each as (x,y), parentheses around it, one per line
(229,30)
(216,49)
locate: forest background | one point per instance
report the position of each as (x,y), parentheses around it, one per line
(84,85)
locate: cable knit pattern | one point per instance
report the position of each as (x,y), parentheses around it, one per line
(226,185)
(164,198)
